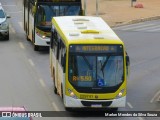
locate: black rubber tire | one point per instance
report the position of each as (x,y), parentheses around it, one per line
(114,109)
(7,36)
(54,87)
(36,47)
(26,34)
(62,91)
(68,109)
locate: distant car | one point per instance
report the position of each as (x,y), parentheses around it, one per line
(4,26)
(6,112)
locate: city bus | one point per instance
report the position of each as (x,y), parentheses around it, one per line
(38,14)
(89,63)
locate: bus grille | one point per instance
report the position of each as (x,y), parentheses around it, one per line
(89,103)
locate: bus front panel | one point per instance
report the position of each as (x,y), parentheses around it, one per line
(96,76)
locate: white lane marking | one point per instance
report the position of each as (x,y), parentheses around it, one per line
(42,82)
(21,45)
(55,106)
(126,26)
(12,29)
(31,62)
(20,24)
(136,27)
(151,27)
(140,118)
(158,29)
(129,104)
(155,96)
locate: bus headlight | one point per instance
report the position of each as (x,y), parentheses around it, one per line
(72,94)
(120,94)
(43,36)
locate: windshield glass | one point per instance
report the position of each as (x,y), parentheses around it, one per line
(2,15)
(46,12)
(95,70)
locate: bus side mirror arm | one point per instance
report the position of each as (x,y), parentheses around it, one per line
(127,61)
(127,64)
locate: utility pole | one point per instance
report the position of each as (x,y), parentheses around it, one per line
(97,8)
(85,7)
(132,2)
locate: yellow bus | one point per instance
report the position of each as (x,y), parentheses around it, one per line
(38,14)
(88,62)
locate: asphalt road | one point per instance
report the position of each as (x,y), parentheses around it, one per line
(25,76)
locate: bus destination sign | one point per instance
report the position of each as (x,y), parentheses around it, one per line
(96,48)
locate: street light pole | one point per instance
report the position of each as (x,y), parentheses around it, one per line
(132,2)
(85,7)
(97,8)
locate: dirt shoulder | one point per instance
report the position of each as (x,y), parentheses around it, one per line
(116,12)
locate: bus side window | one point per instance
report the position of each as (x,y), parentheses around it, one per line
(63,57)
(58,48)
(54,42)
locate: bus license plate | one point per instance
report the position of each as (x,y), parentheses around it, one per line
(96,105)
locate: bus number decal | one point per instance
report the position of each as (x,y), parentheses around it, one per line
(82,78)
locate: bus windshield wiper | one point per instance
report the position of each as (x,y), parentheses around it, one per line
(85,59)
(105,63)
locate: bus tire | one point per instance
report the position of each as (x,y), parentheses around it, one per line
(68,109)
(26,33)
(62,91)
(114,109)
(55,89)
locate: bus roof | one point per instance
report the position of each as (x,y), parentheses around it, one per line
(84,30)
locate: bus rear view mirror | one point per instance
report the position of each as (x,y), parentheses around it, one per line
(34,9)
(127,61)
(8,16)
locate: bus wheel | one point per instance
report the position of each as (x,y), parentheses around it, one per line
(26,33)
(55,89)
(69,109)
(114,109)
(62,91)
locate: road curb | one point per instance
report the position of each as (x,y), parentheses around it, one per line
(137,21)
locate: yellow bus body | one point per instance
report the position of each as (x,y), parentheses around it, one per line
(90,33)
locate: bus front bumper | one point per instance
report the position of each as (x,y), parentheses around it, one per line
(42,41)
(80,103)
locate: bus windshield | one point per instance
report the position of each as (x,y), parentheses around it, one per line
(95,70)
(46,12)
